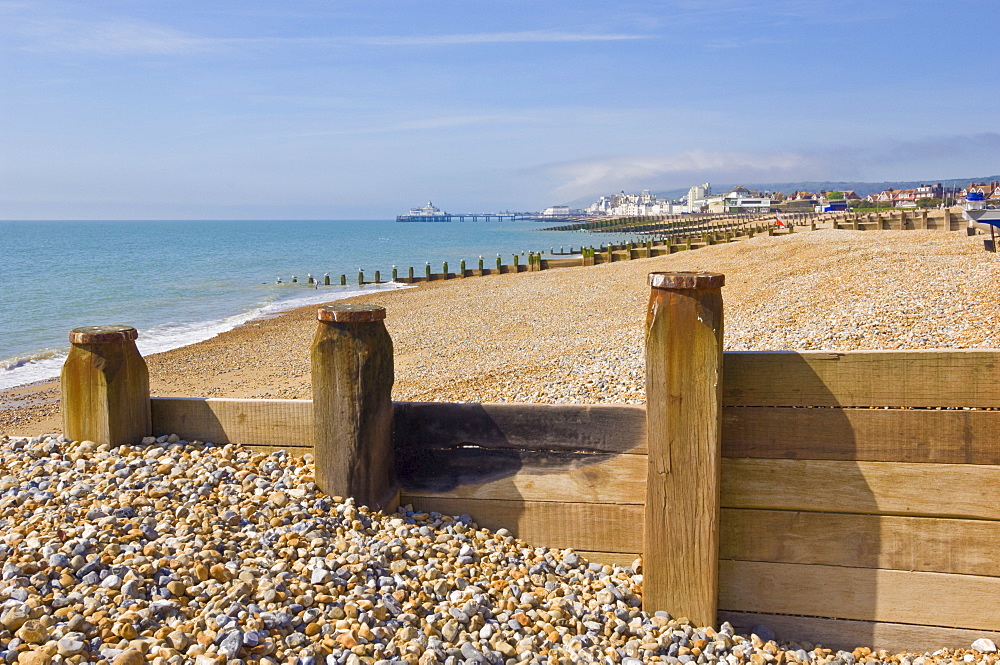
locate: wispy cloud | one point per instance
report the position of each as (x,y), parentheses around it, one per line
(580,178)
(878,160)
(35,31)
(422,124)
(527,36)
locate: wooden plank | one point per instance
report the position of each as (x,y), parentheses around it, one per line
(263,422)
(581,526)
(877,435)
(864,594)
(848,635)
(966,547)
(883,488)
(863,378)
(294,451)
(624,559)
(684,428)
(476,473)
(585,428)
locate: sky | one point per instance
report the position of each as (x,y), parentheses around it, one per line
(310,109)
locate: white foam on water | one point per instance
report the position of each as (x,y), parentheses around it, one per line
(45,364)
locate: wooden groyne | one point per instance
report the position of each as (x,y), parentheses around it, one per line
(664,236)
(834,497)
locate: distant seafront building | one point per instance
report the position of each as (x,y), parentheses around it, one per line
(631,205)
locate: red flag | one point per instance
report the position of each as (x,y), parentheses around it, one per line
(780,223)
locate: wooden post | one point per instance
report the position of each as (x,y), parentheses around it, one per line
(410,274)
(105,387)
(461,268)
(427,271)
(684,420)
(378,276)
(352,375)
(946,220)
(361,278)
(343,279)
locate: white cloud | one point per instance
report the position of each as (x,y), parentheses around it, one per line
(541,36)
(33,29)
(581,178)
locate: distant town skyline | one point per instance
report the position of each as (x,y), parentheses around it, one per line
(302,110)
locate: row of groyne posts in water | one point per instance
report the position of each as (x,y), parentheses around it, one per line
(822,494)
(663,236)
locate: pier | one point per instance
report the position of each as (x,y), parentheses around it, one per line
(474,216)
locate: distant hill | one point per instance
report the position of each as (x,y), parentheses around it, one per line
(862,188)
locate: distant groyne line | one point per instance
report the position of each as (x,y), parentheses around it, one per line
(664,236)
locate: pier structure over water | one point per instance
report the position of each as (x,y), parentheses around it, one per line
(463,216)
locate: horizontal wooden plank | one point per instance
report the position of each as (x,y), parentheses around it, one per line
(582,526)
(294,451)
(582,428)
(966,547)
(876,435)
(862,378)
(262,422)
(848,635)
(477,473)
(625,559)
(864,594)
(882,488)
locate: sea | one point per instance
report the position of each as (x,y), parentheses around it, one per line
(181,282)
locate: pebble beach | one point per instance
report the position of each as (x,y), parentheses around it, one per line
(176,552)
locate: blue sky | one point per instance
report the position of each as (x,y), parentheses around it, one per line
(179,109)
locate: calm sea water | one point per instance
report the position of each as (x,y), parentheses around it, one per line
(183,282)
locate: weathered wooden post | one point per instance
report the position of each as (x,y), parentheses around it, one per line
(105,387)
(461,268)
(946,220)
(378,276)
(444,271)
(361,278)
(352,375)
(326,279)
(343,279)
(680,558)
(395,274)
(499,264)
(427,270)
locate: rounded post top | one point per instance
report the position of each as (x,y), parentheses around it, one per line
(344,313)
(686,280)
(102,334)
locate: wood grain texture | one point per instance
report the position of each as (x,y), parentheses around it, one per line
(877,488)
(610,558)
(966,547)
(475,473)
(863,378)
(352,377)
(683,387)
(105,391)
(877,435)
(275,423)
(863,594)
(847,635)
(582,526)
(588,428)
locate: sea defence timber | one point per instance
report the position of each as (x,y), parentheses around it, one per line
(668,236)
(882,445)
